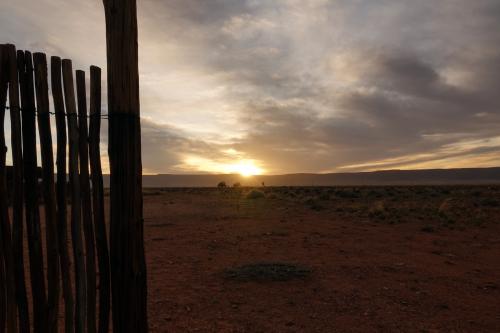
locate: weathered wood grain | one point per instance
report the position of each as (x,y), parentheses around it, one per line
(76,225)
(62,225)
(98,199)
(49,194)
(8,318)
(128,268)
(31,192)
(17,203)
(88,228)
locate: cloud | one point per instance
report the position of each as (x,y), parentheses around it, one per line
(298,86)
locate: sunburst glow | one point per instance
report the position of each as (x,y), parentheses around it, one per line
(245,168)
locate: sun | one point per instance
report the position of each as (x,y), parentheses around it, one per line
(243,166)
(246,168)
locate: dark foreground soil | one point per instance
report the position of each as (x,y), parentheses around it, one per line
(394,259)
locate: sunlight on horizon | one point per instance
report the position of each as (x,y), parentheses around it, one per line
(246,168)
(241,166)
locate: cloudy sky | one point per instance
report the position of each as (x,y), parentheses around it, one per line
(284,86)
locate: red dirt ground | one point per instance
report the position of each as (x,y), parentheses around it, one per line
(423,259)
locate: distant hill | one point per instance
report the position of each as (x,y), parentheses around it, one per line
(390,177)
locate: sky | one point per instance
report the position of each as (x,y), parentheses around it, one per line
(289,86)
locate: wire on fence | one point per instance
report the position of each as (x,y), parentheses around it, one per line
(102,116)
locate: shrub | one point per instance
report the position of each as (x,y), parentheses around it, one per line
(237,185)
(313,204)
(427,228)
(255,194)
(272,196)
(267,272)
(347,194)
(446,208)
(324,196)
(222,185)
(490,202)
(378,207)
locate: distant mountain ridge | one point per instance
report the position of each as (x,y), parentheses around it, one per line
(469,176)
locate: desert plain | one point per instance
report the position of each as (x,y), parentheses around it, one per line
(323,259)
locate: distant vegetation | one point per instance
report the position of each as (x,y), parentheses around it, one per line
(432,206)
(255,194)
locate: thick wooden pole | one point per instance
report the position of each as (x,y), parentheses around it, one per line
(74,180)
(49,194)
(128,268)
(17,222)
(3,188)
(62,226)
(98,199)
(31,192)
(8,303)
(3,295)
(88,229)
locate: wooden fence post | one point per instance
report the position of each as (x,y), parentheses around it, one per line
(57,94)
(3,295)
(16,75)
(31,193)
(76,227)
(8,302)
(3,189)
(128,267)
(42,101)
(98,198)
(17,206)
(88,228)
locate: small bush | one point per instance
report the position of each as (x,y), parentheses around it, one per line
(489,202)
(255,194)
(324,196)
(222,185)
(347,194)
(267,272)
(272,196)
(446,206)
(237,185)
(313,204)
(427,228)
(378,208)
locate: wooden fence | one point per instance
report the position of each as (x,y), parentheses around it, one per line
(31,297)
